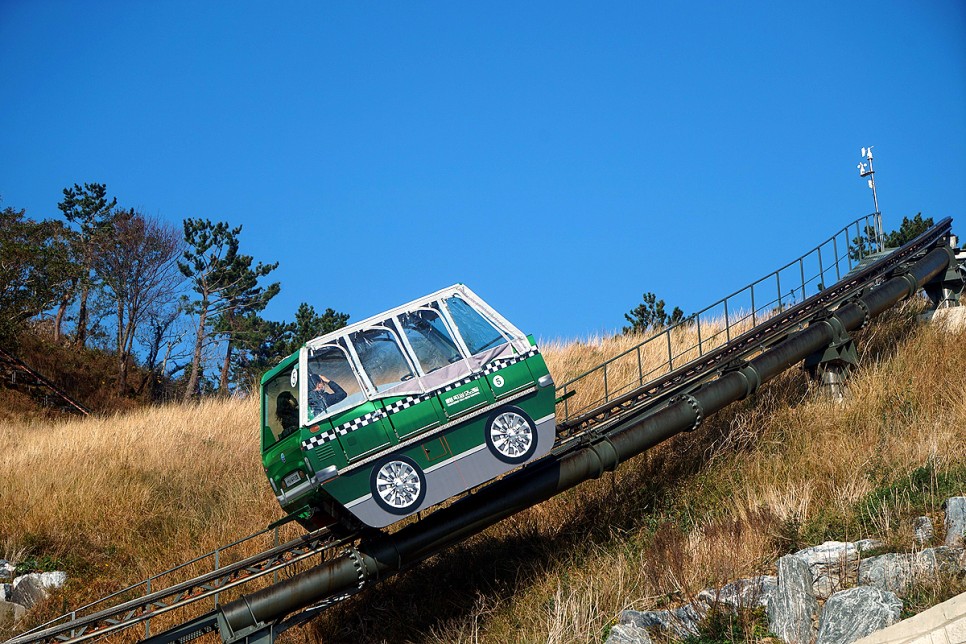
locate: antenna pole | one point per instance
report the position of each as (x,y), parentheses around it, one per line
(868,170)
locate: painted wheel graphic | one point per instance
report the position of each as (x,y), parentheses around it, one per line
(398,485)
(511,435)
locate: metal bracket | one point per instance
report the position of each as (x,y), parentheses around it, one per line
(359,565)
(693,403)
(750,374)
(903,273)
(945,290)
(840,351)
(258,634)
(860,304)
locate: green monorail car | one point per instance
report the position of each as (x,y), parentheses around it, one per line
(399,412)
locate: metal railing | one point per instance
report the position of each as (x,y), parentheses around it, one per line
(203,577)
(716,325)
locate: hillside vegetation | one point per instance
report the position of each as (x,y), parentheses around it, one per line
(115,499)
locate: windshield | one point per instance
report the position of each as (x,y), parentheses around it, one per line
(280,406)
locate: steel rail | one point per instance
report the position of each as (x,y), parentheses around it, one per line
(20,364)
(144,583)
(152,605)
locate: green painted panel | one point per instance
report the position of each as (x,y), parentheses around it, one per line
(510,379)
(461,400)
(363,441)
(420,417)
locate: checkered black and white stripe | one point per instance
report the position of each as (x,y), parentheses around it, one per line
(409,401)
(319,439)
(360,422)
(454,385)
(496,365)
(406,403)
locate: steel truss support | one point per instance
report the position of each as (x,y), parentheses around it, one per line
(261,633)
(946,289)
(830,366)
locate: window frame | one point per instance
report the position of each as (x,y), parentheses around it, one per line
(266,423)
(381,326)
(499,329)
(304,379)
(455,337)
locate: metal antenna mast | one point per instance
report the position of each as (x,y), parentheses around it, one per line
(867,170)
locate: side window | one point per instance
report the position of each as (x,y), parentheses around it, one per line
(332,384)
(478,334)
(427,335)
(280,406)
(381,357)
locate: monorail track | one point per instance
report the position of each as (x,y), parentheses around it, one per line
(591,442)
(95,623)
(763,336)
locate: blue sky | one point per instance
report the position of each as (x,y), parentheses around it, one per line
(559,158)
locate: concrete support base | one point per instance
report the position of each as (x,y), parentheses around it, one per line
(942,624)
(831,378)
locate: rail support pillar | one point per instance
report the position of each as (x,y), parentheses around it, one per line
(261,633)
(831,365)
(946,289)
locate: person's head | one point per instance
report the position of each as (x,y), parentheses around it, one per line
(287,410)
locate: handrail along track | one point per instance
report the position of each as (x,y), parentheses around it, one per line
(177,595)
(783,313)
(772,323)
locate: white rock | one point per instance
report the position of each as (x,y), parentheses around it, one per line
(627,634)
(864,545)
(922,530)
(896,571)
(29,590)
(833,565)
(956,521)
(854,613)
(681,622)
(743,593)
(793,607)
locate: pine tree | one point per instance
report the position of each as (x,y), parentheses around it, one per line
(650,314)
(35,268)
(223,279)
(89,210)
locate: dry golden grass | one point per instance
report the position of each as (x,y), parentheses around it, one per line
(632,360)
(119,498)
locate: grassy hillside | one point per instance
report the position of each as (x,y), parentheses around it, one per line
(88,375)
(115,499)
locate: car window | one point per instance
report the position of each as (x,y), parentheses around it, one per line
(381,356)
(332,384)
(280,404)
(477,332)
(430,339)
